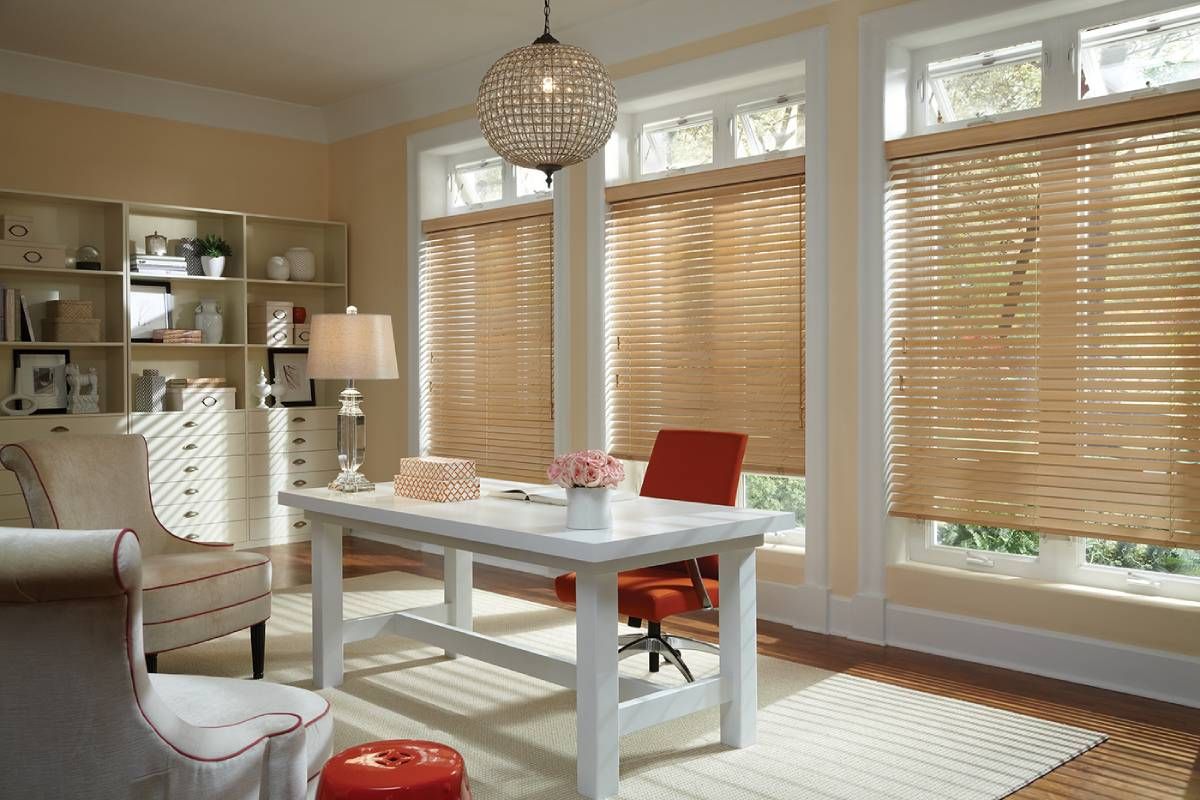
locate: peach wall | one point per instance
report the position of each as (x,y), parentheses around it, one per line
(60,148)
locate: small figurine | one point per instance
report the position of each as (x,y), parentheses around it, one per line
(83,391)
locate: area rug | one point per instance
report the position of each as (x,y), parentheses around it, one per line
(821,735)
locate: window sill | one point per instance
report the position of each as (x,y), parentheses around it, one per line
(1147,621)
(781,563)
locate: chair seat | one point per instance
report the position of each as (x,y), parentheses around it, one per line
(652,593)
(205,701)
(192,597)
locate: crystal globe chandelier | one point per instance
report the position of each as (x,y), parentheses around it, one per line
(547,105)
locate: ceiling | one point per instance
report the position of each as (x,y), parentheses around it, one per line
(312,52)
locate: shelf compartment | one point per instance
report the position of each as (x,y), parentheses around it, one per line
(177,223)
(73,222)
(188,293)
(107,360)
(270,236)
(191,361)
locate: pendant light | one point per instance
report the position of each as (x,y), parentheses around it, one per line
(547,105)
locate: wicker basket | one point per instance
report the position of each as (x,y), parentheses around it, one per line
(73,330)
(69,310)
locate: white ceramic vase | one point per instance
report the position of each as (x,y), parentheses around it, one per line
(262,389)
(303,263)
(278,268)
(214,266)
(588,509)
(210,322)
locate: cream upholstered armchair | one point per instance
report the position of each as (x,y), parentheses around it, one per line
(83,718)
(193,591)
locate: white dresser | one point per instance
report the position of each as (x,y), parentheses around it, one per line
(214,475)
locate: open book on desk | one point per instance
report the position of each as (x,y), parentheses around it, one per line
(549,495)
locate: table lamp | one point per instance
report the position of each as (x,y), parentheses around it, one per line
(352,347)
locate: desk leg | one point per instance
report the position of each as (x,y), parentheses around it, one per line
(596,689)
(327,605)
(457,576)
(739,647)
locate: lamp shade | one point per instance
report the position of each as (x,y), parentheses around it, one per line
(352,346)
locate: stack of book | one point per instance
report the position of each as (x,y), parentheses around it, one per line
(159,265)
(14,317)
(176,336)
(195,383)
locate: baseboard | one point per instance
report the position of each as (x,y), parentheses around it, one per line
(861,618)
(799,606)
(1106,665)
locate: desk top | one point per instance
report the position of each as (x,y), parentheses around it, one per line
(669,530)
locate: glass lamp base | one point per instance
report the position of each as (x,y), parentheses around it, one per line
(349,481)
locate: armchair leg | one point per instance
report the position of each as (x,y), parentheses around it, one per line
(151,662)
(258,646)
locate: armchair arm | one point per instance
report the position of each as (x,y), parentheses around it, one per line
(693,568)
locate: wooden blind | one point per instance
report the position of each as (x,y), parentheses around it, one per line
(705,293)
(487,343)
(1044,335)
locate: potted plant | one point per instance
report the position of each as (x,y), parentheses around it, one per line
(588,476)
(213,252)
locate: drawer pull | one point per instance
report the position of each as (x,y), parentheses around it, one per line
(298,440)
(299,419)
(32,256)
(300,482)
(190,514)
(299,461)
(191,469)
(190,446)
(18,230)
(60,429)
(279,313)
(301,524)
(191,423)
(191,492)
(192,536)
(209,401)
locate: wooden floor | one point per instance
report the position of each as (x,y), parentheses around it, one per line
(1153,749)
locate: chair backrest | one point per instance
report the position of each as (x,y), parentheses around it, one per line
(697,466)
(87,483)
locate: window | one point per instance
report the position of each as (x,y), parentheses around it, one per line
(1044,292)
(477,183)
(530,182)
(985,84)
(778,493)
(1140,54)
(705,312)
(486,339)
(677,144)
(770,127)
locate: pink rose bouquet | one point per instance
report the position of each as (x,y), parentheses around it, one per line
(591,469)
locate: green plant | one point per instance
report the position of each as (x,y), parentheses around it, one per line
(213,246)
(983,537)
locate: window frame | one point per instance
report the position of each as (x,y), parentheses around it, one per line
(508,182)
(926,82)
(751,106)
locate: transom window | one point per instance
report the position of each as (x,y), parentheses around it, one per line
(491,181)
(985,84)
(677,144)
(772,126)
(1140,54)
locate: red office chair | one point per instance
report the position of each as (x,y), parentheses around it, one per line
(701,467)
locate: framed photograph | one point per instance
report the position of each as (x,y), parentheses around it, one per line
(42,375)
(150,308)
(289,375)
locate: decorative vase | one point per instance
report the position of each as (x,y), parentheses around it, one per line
(189,250)
(304,263)
(214,266)
(262,389)
(210,322)
(278,268)
(588,509)
(299,315)
(149,391)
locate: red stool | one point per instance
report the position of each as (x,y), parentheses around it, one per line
(399,769)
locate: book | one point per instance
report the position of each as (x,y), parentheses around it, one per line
(193,383)
(27,334)
(549,495)
(11,323)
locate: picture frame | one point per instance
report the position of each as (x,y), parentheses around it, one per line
(151,306)
(42,375)
(290,383)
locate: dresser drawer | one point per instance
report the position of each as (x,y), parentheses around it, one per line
(197,491)
(262,507)
(196,446)
(183,423)
(18,429)
(270,485)
(291,441)
(233,531)
(202,513)
(196,469)
(292,419)
(288,463)
(279,527)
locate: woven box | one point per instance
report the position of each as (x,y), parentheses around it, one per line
(70,330)
(435,490)
(69,309)
(439,469)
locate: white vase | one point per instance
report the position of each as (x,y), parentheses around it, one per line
(210,322)
(262,389)
(214,266)
(588,509)
(303,262)
(278,268)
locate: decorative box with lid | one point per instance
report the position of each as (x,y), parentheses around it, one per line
(441,480)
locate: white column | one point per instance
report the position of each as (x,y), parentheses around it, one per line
(596,690)
(327,605)
(739,647)
(457,575)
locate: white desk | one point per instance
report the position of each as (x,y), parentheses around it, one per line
(645,532)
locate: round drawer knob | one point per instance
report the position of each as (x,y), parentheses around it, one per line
(60,429)
(300,482)
(301,524)
(191,514)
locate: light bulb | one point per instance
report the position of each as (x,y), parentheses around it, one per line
(547,84)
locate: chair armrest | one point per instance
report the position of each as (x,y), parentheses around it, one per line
(693,568)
